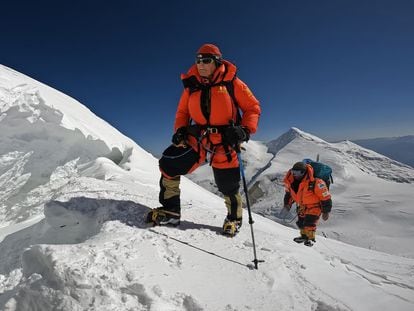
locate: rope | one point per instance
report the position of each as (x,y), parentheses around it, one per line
(200,249)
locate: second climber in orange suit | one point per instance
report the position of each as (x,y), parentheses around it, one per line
(312,198)
(208,125)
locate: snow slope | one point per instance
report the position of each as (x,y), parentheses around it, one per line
(85,246)
(372,194)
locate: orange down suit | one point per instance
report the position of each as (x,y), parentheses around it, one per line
(312,198)
(205,109)
(218,110)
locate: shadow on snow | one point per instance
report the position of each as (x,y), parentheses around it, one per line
(74,222)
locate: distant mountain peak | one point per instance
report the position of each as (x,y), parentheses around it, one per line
(293,133)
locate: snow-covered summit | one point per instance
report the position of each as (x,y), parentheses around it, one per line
(72,237)
(274,146)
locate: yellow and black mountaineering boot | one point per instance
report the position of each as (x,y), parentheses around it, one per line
(169,212)
(161,217)
(231,227)
(233,221)
(311,237)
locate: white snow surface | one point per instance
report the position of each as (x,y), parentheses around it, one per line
(74,192)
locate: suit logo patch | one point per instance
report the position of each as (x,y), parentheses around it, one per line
(247,91)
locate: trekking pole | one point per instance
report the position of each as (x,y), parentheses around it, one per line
(238,151)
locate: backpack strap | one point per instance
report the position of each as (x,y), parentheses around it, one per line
(192,84)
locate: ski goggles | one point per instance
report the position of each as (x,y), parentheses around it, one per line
(297,173)
(204,60)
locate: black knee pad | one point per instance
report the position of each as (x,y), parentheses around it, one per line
(178,160)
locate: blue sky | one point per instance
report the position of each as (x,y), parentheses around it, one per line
(337,69)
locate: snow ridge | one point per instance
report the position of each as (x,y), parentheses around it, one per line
(278,144)
(374,163)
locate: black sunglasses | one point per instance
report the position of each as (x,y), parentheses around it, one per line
(205,60)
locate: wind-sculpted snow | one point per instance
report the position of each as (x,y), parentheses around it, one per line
(33,145)
(45,138)
(11,170)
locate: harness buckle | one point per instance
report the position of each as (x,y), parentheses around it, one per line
(213,130)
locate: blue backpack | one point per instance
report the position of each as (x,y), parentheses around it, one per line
(321,171)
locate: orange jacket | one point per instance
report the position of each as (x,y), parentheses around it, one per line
(222,109)
(306,197)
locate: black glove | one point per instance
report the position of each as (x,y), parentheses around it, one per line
(326,206)
(233,135)
(180,135)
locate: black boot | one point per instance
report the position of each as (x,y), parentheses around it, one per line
(309,243)
(301,239)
